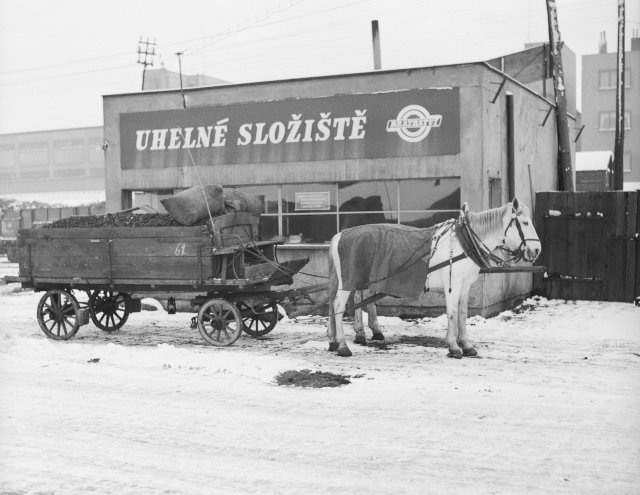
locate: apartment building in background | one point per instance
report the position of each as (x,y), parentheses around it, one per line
(599,76)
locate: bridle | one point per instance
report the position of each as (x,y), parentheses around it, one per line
(517,254)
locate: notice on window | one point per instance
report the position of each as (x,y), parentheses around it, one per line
(306,201)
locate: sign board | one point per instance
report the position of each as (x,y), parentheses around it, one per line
(375,125)
(317,200)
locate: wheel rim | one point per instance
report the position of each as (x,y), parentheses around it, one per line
(108,309)
(219,322)
(58,314)
(258,319)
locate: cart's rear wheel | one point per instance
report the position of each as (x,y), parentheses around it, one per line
(59,314)
(219,322)
(258,319)
(109,310)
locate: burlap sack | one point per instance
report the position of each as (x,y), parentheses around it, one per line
(189,206)
(241,201)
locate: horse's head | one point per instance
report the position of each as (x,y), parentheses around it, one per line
(520,238)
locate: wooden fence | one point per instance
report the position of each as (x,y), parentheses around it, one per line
(589,245)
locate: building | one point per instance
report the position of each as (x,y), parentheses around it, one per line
(64,166)
(533,68)
(599,76)
(165,79)
(403,146)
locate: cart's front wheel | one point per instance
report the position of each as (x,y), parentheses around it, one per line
(219,322)
(108,309)
(59,314)
(258,319)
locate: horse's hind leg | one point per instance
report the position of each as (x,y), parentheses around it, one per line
(358,324)
(339,305)
(372,313)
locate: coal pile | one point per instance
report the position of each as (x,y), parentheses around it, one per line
(116,220)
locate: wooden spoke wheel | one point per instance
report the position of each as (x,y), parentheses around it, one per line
(59,314)
(108,309)
(258,319)
(219,322)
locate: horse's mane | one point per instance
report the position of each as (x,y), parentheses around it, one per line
(488,221)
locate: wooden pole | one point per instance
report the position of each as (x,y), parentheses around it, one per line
(618,149)
(565,167)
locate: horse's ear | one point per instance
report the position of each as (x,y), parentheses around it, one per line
(465,209)
(516,204)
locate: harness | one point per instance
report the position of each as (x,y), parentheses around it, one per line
(472,247)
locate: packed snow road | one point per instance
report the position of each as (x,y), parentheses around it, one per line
(550,407)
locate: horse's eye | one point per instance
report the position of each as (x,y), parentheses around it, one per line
(525,222)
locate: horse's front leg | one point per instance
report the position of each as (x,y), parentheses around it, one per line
(339,305)
(451,339)
(463,308)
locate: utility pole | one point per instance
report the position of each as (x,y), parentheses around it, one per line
(375,35)
(618,149)
(184,101)
(565,168)
(148,53)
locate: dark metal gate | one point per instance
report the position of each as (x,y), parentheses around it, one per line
(589,245)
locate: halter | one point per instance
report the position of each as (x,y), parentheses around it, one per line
(518,253)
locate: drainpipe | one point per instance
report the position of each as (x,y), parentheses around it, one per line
(511,150)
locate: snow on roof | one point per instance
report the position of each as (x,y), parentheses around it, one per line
(593,160)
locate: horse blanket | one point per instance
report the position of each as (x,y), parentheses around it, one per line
(388,258)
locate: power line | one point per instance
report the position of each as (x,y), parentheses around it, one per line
(145,56)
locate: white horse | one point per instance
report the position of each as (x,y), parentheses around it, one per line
(452,268)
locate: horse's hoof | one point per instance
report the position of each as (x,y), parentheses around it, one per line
(470,352)
(344,352)
(360,339)
(333,346)
(378,336)
(457,354)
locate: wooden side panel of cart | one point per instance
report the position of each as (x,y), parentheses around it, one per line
(116,254)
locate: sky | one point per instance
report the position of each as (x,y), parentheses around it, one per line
(58,57)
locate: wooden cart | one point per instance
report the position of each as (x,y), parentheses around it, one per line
(231,278)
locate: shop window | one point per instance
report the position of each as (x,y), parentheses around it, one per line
(430,194)
(268,195)
(363,203)
(426,219)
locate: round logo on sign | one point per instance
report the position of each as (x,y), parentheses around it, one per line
(414,123)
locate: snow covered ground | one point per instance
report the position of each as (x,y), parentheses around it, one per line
(552,406)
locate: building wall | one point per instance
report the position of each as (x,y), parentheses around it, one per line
(57,160)
(598,98)
(482,156)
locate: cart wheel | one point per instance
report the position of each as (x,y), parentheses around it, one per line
(108,309)
(58,314)
(219,322)
(258,319)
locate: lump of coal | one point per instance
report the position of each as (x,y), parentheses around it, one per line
(316,379)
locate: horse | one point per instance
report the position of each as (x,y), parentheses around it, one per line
(399,260)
